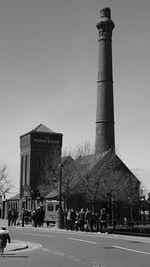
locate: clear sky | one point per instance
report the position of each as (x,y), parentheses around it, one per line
(48,74)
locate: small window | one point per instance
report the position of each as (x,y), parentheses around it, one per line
(57,207)
(50,207)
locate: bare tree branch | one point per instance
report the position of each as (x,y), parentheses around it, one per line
(5,183)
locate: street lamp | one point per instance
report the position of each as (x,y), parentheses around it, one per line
(60,219)
(131,209)
(112,209)
(111,199)
(60,186)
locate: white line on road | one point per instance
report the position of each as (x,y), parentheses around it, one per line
(81,240)
(74,258)
(36,235)
(132,250)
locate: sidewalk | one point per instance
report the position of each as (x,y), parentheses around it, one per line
(15,244)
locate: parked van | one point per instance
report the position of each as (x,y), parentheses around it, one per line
(51,207)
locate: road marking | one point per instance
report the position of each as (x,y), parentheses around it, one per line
(132,250)
(37,235)
(81,240)
(73,258)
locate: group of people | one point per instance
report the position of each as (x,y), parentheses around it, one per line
(85,220)
(12,217)
(35,216)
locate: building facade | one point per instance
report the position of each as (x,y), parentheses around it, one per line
(36,146)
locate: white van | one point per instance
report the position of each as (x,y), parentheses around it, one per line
(51,207)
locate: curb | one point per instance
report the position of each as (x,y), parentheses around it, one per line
(16,249)
(16,245)
(3,222)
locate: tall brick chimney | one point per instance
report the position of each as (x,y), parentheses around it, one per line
(105,137)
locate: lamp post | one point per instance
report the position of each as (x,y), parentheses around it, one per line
(111,205)
(131,210)
(60,219)
(112,210)
(60,186)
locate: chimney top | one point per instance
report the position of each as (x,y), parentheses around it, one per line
(105,12)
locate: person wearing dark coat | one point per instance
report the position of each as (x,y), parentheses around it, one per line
(9,215)
(22,215)
(4,237)
(89,217)
(81,218)
(72,219)
(103,220)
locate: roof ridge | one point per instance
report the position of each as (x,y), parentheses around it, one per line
(34,130)
(43,129)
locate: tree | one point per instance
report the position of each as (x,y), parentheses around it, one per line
(93,176)
(49,172)
(5,183)
(71,173)
(108,175)
(78,151)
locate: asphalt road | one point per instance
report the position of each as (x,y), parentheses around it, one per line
(56,248)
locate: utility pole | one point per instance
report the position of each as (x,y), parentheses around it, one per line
(60,218)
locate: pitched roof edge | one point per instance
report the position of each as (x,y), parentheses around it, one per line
(44,132)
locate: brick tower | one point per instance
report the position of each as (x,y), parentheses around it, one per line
(105,139)
(35,146)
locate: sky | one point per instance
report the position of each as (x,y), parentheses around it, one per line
(48,75)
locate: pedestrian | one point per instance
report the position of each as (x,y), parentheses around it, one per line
(69,219)
(97,221)
(14,217)
(4,237)
(34,218)
(38,214)
(9,216)
(65,219)
(42,215)
(89,220)
(72,219)
(103,220)
(81,217)
(23,216)
(77,221)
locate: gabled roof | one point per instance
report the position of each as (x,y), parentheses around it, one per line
(52,194)
(102,163)
(112,162)
(16,197)
(107,165)
(42,128)
(87,163)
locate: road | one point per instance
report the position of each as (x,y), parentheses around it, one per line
(56,248)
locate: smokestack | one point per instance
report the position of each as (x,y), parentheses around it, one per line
(105,139)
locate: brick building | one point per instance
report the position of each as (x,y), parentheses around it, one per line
(35,147)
